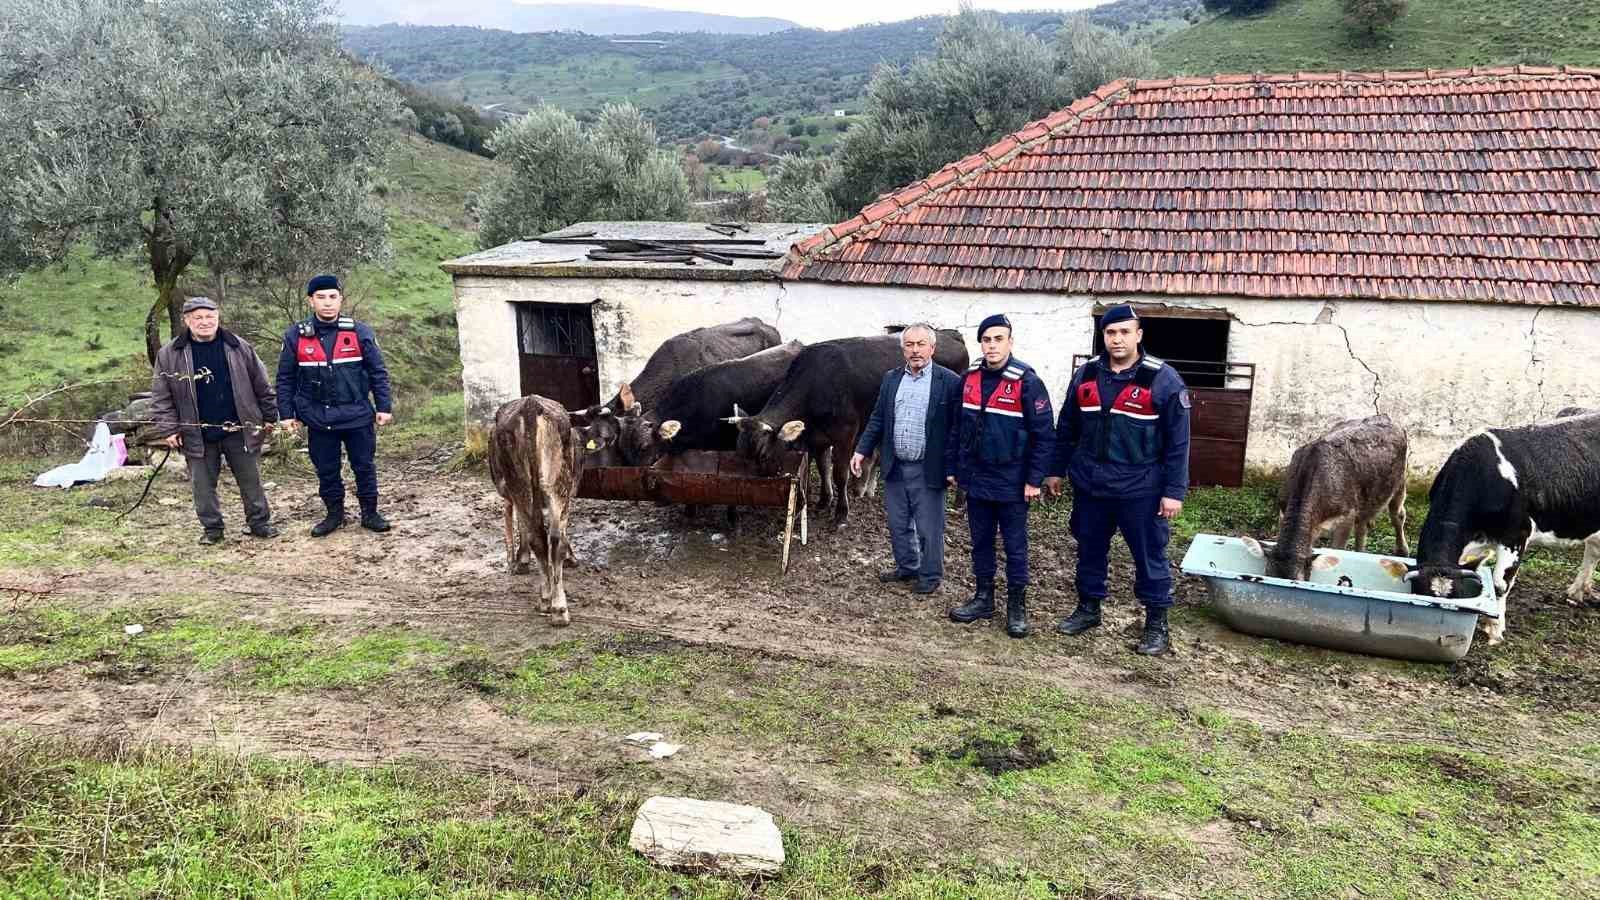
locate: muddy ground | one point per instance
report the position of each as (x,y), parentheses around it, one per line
(652,580)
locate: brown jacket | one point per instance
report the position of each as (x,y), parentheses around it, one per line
(173,400)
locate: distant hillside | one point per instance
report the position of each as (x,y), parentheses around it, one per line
(1305,35)
(691,83)
(590,18)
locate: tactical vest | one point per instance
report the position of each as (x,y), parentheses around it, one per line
(1127,431)
(332,382)
(1001,435)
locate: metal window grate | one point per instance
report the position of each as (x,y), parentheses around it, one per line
(551,329)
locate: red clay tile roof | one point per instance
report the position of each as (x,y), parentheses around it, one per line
(1468,184)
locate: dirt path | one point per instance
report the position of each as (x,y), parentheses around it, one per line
(650,570)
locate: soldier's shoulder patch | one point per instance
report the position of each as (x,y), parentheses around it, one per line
(1041,404)
(1186,398)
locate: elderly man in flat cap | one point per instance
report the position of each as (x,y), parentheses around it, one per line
(1123,442)
(211,400)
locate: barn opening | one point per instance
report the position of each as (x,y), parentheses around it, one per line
(1195,342)
(556,353)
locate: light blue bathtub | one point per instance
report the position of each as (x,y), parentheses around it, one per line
(1371,611)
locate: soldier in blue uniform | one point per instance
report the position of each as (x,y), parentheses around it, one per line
(1000,449)
(1123,442)
(331,377)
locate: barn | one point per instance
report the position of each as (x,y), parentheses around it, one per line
(1305,248)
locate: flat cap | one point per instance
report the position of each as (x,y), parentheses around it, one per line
(194,303)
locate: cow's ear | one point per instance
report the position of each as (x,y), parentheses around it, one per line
(626,395)
(1253,547)
(670,429)
(1473,557)
(791,430)
(765,427)
(1324,562)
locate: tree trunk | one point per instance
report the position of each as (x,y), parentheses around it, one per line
(168,258)
(166,286)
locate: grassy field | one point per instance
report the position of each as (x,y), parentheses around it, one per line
(730,179)
(1306,36)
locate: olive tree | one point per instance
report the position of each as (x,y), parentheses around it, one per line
(557,172)
(229,134)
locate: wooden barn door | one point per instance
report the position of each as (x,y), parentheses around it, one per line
(555,343)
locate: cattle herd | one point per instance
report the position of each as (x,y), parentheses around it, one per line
(1499,491)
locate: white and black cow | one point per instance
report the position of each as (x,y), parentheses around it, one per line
(1502,488)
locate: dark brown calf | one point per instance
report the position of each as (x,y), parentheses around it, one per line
(1340,481)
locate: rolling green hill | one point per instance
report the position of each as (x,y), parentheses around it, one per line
(1306,36)
(83,321)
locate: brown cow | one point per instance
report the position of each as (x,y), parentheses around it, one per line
(1341,480)
(536,458)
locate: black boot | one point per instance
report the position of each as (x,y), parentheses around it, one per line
(1156,640)
(1017,610)
(1085,617)
(981,606)
(330,523)
(371,519)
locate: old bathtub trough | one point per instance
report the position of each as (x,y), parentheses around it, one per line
(1357,605)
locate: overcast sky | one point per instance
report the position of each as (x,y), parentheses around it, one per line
(845,13)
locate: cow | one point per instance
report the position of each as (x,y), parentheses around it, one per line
(1499,489)
(678,356)
(1567,412)
(536,459)
(827,397)
(699,412)
(1339,481)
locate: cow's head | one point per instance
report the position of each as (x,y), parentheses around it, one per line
(598,442)
(1444,582)
(763,444)
(1283,562)
(638,441)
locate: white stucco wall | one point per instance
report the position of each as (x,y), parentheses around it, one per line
(1441,370)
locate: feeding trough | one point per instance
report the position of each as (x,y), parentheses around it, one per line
(709,478)
(1363,604)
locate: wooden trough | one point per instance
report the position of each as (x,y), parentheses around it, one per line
(709,478)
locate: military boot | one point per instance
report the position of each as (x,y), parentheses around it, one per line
(1085,617)
(1017,610)
(1156,640)
(981,606)
(371,519)
(330,523)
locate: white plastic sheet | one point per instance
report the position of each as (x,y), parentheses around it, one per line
(105,453)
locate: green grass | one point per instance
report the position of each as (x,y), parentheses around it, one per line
(744,179)
(297,657)
(1306,35)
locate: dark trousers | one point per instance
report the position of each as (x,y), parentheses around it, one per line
(246,468)
(1011,518)
(916,521)
(1095,520)
(361,445)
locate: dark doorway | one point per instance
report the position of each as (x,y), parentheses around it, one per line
(555,349)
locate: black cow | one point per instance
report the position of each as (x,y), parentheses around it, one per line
(827,397)
(1501,488)
(700,410)
(678,356)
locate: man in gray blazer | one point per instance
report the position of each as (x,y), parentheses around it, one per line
(911,422)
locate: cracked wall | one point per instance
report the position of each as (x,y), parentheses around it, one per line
(1441,370)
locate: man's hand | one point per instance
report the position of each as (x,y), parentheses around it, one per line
(856,460)
(1170,508)
(1030,493)
(290,425)
(950,480)
(385,418)
(173,441)
(1052,486)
